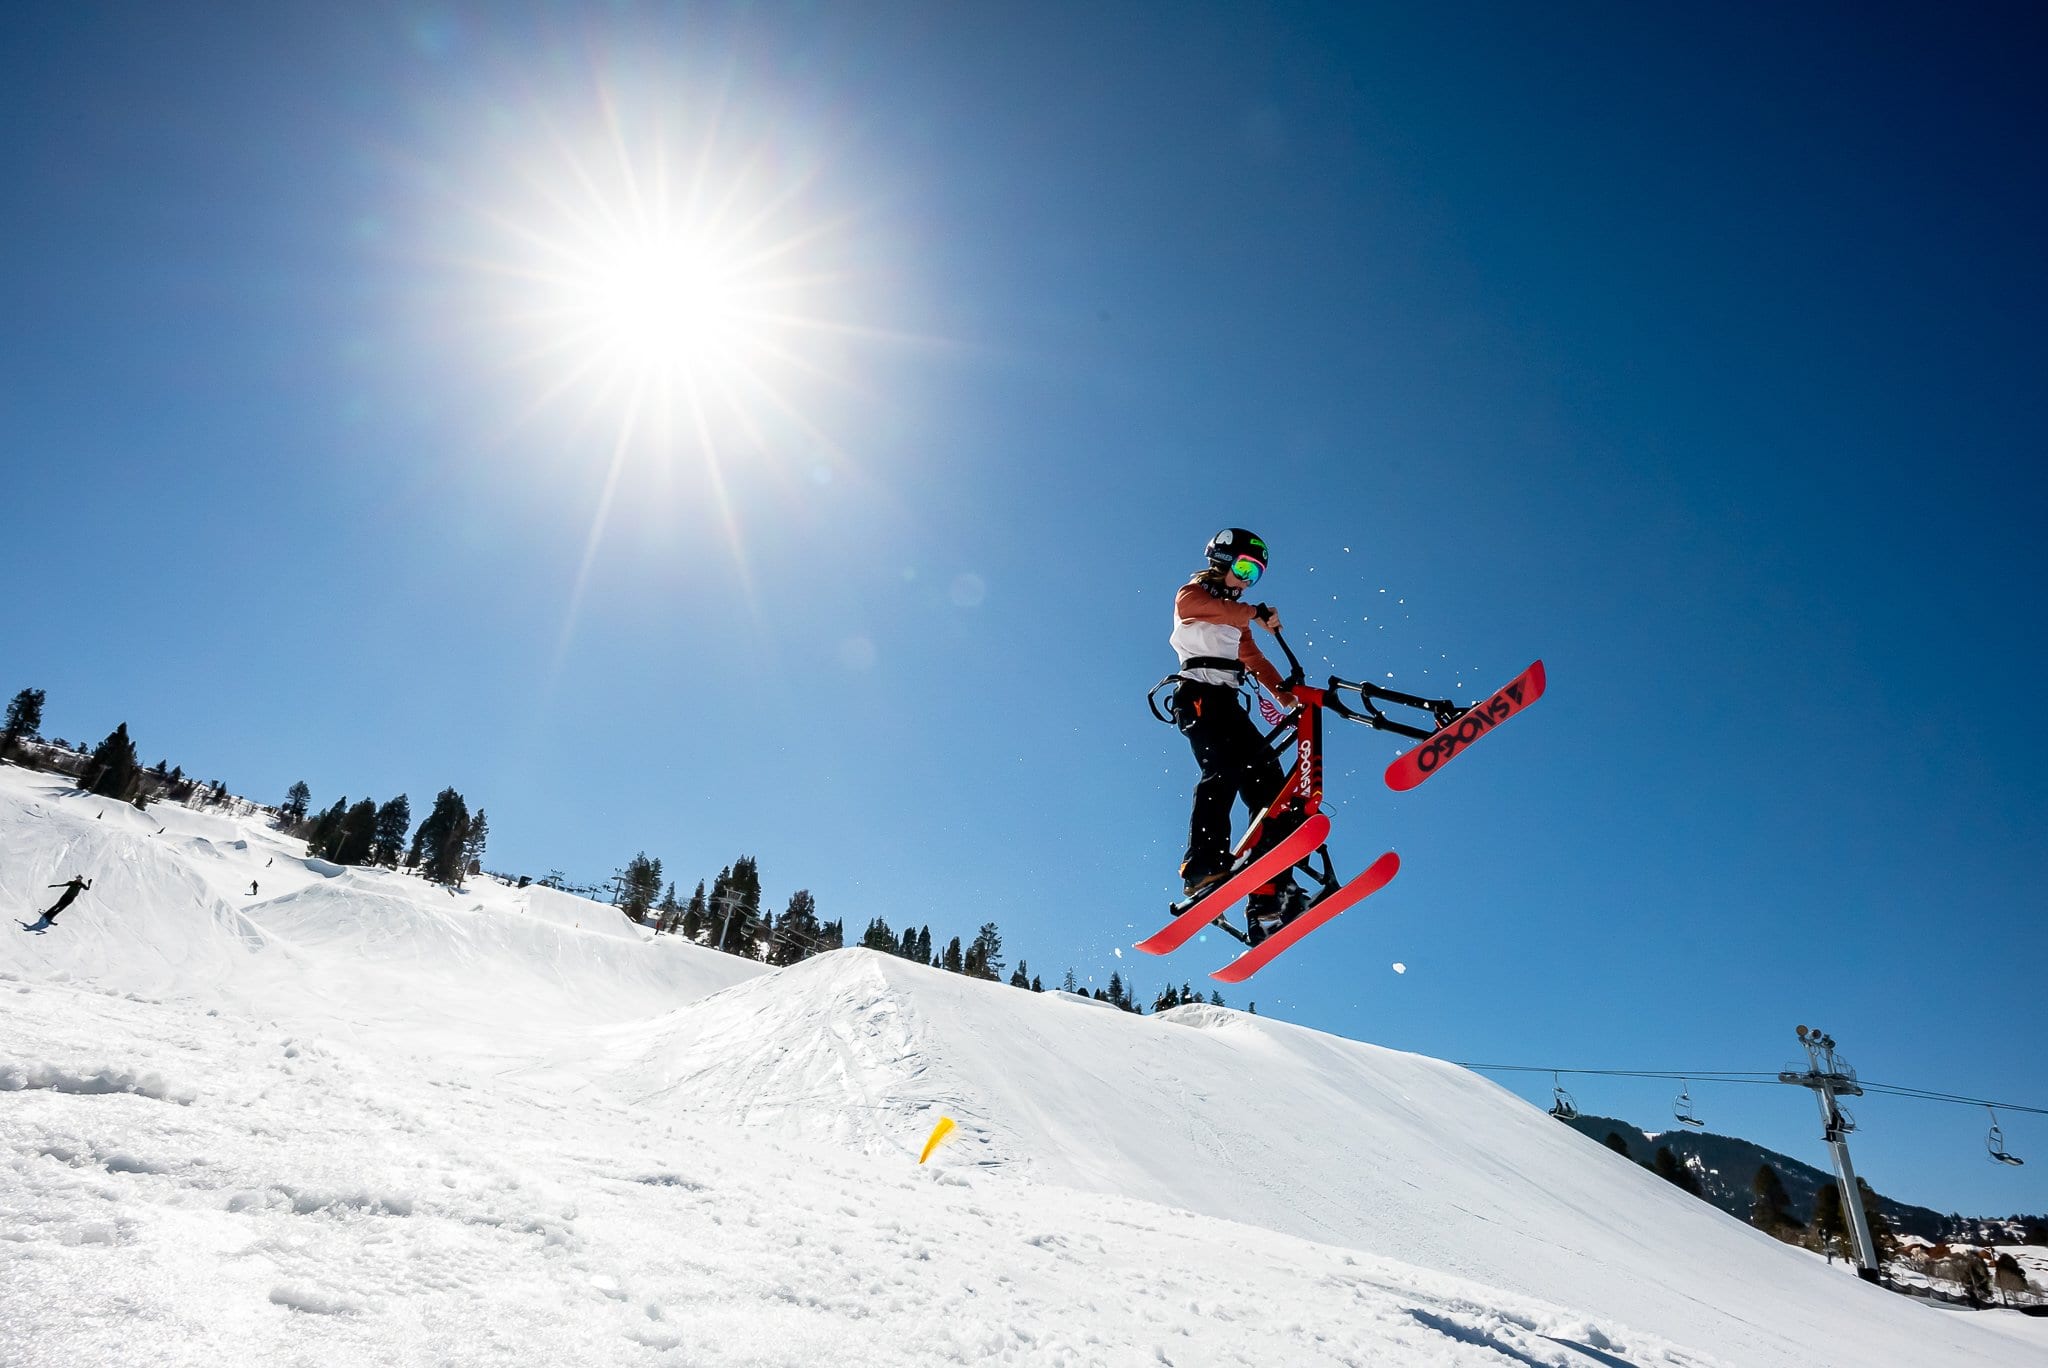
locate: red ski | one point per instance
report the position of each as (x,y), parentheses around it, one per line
(1298,845)
(1378,876)
(1418,764)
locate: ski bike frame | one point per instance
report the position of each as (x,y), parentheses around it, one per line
(1301,794)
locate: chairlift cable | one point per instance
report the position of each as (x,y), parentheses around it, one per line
(1742,1076)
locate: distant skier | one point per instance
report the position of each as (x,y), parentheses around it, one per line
(1212,636)
(252,888)
(72,888)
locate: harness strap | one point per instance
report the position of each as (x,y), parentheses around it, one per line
(1227,664)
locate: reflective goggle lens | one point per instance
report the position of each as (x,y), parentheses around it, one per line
(1247,569)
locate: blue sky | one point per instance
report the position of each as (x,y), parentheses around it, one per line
(1697,355)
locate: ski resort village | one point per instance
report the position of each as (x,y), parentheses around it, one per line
(1057,683)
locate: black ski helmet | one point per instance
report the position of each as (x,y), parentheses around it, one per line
(1232,542)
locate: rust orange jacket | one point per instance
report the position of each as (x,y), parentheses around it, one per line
(1206,625)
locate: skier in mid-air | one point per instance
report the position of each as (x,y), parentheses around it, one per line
(72,888)
(1212,636)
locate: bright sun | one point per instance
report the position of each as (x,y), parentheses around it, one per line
(680,283)
(667,304)
(677,286)
(667,313)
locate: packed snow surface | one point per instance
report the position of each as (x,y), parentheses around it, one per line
(353,1118)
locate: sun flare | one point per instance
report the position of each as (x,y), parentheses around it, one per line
(677,291)
(662,304)
(666,313)
(677,283)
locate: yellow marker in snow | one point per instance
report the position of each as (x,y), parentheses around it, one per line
(939,1133)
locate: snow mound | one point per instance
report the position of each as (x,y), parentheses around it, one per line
(1251,1120)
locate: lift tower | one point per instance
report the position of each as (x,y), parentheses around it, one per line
(1828,1074)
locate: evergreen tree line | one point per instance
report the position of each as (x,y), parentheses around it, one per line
(728,914)
(111,769)
(449,844)
(980,958)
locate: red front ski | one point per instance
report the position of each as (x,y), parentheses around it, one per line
(1298,845)
(1378,876)
(1418,764)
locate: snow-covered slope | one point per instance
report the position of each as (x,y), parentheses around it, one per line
(354,1119)
(1256,1121)
(366,952)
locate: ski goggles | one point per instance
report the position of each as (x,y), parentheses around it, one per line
(1247,569)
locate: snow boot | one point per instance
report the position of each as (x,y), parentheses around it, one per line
(1272,907)
(1198,877)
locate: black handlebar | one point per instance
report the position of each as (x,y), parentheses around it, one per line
(1442,711)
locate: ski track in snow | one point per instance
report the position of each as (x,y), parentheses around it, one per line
(354,1120)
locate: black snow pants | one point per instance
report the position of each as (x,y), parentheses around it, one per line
(1236,763)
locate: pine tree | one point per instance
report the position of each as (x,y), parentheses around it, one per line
(326,827)
(394,819)
(1674,1172)
(667,912)
(908,949)
(474,834)
(1616,1143)
(296,800)
(1037,984)
(1771,1208)
(1830,1226)
(746,915)
(953,961)
(1168,999)
(796,933)
(639,886)
(1884,1240)
(697,916)
(1116,990)
(356,838)
(735,908)
(879,937)
(1020,977)
(24,718)
(719,909)
(988,947)
(923,953)
(1068,985)
(437,844)
(115,769)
